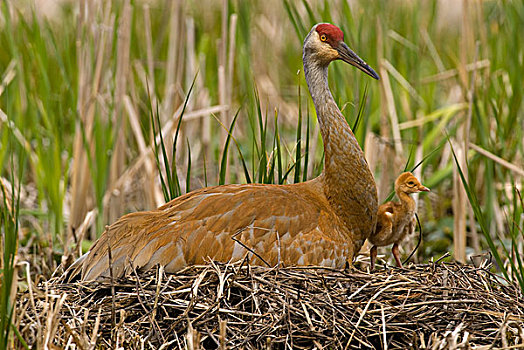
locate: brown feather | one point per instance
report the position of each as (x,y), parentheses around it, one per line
(320,222)
(178,234)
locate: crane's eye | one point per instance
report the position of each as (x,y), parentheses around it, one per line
(323,37)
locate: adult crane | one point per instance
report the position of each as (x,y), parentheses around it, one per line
(322,222)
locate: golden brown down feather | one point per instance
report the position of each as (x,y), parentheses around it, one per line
(392,228)
(202,224)
(396,220)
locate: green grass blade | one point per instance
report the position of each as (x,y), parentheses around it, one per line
(242,160)
(311,16)
(284,178)
(295,18)
(298,150)
(174,184)
(155,121)
(205,169)
(278,148)
(426,157)
(223,162)
(9,220)
(360,114)
(188,174)
(410,155)
(306,151)
(262,163)
(477,210)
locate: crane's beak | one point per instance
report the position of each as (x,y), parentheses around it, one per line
(347,55)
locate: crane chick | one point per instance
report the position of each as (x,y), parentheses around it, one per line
(395,220)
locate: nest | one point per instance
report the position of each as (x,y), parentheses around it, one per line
(430,306)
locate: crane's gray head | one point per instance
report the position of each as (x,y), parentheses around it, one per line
(325,43)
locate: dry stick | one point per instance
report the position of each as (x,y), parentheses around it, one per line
(88,89)
(459,202)
(248,248)
(447,254)
(448,74)
(194,143)
(369,302)
(82,229)
(18,136)
(229,78)
(139,290)
(9,75)
(403,82)
(471,95)
(30,287)
(432,50)
(445,284)
(390,103)
(157,293)
(222,84)
(459,207)
(516,169)
(149,53)
(118,158)
(94,334)
(142,158)
(385,347)
(169,92)
(134,122)
(192,303)
(53,320)
(78,341)
(503,330)
(112,281)
(231,56)
(384,184)
(223,334)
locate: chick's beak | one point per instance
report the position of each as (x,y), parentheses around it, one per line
(424,189)
(348,56)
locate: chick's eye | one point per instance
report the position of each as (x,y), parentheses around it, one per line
(323,37)
(411,183)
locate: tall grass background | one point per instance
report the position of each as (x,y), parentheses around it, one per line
(93,93)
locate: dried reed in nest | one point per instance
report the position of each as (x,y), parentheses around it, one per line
(432,306)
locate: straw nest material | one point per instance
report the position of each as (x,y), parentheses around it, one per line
(432,306)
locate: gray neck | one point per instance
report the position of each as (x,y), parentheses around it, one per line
(317,82)
(340,145)
(348,183)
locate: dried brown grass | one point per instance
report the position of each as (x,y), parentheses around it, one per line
(432,306)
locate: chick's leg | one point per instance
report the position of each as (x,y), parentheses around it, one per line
(396,254)
(373,256)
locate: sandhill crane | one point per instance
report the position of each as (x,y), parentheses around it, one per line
(323,221)
(396,220)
